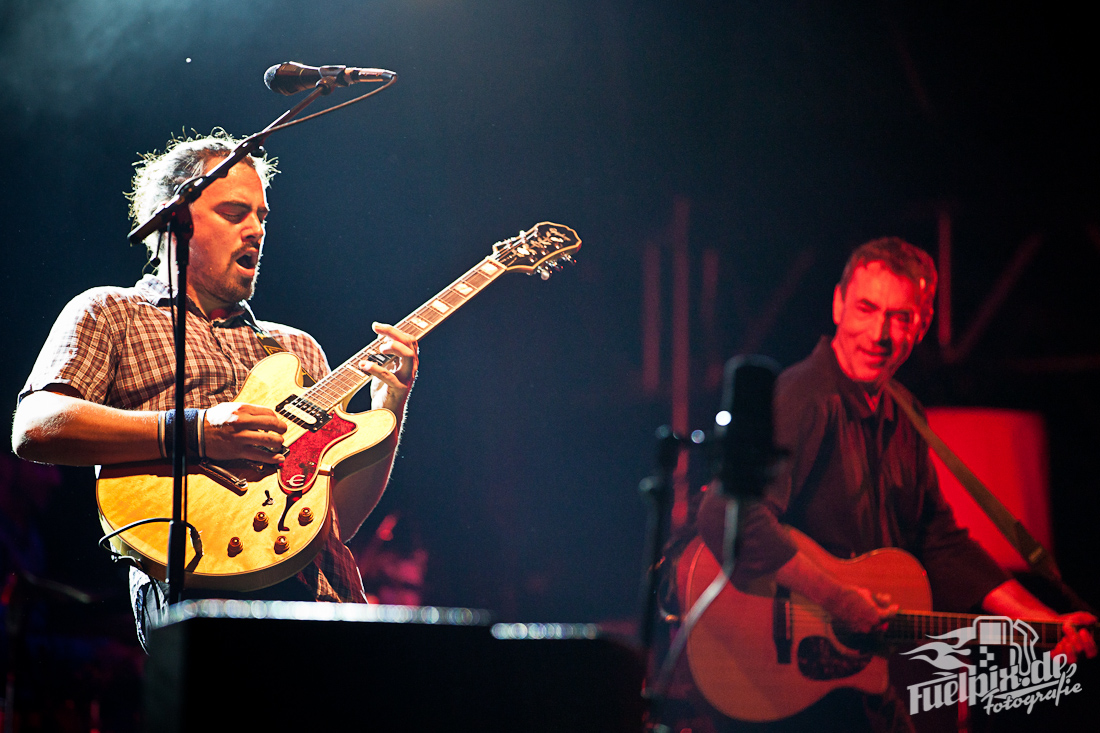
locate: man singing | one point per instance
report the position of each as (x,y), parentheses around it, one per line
(103,387)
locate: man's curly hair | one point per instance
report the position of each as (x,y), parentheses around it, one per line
(158,175)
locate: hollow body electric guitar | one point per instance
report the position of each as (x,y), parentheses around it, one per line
(762,653)
(260,524)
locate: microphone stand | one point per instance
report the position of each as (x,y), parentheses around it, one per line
(744,456)
(174,218)
(657,489)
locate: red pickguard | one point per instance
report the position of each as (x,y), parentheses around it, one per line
(299,471)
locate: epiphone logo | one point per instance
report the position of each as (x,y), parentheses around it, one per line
(296,482)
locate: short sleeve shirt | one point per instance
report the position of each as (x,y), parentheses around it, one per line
(114,346)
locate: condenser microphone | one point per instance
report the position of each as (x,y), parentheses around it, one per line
(744,442)
(292,77)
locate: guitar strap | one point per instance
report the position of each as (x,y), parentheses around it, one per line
(272,346)
(1036,556)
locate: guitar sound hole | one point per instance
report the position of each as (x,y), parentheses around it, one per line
(873,642)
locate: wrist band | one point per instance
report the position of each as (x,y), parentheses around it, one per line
(193,420)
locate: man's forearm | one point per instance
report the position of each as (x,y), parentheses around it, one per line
(356,494)
(852,605)
(50,427)
(1013,600)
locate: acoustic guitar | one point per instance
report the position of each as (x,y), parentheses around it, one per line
(260,524)
(762,653)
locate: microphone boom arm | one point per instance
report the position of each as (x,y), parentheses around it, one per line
(191,190)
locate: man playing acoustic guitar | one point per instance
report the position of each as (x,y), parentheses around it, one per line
(102,389)
(860,478)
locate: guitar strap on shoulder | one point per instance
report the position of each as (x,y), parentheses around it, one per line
(1036,556)
(272,346)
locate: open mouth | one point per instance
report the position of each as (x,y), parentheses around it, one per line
(248,260)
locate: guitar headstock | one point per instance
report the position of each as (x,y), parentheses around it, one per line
(542,248)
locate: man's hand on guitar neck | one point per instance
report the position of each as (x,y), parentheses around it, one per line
(1077,641)
(852,606)
(1012,599)
(356,495)
(390,388)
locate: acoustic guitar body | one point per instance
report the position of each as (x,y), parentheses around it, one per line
(760,656)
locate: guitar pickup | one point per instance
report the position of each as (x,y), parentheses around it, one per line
(301,411)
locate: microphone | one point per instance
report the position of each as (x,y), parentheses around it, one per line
(292,77)
(744,452)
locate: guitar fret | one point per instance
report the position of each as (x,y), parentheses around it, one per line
(408,326)
(429,315)
(453,299)
(475,280)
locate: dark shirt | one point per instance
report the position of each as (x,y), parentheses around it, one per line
(857,479)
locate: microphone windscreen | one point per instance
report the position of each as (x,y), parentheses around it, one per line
(286,78)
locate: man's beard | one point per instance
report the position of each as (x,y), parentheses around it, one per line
(235,288)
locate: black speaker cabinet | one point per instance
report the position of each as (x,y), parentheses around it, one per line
(280,666)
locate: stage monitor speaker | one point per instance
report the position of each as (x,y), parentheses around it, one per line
(281,666)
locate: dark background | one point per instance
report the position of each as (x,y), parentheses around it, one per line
(793,131)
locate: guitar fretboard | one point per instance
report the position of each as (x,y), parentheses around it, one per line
(347,378)
(917,626)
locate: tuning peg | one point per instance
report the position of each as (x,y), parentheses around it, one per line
(543,273)
(568,259)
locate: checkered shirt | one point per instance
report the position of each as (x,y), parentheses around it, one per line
(115,347)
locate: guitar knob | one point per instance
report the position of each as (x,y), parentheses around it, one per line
(282,544)
(260,521)
(235,546)
(305,516)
